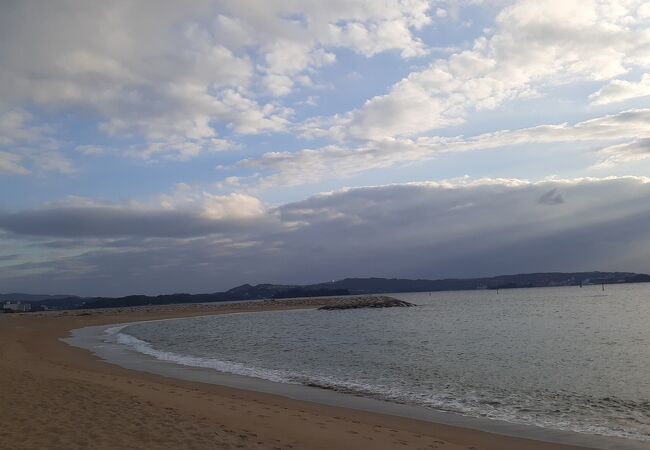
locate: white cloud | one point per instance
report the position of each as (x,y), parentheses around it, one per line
(16,126)
(377,38)
(286,60)
(238,206)
(277,85)
(189,70)
(535,45)
(10,164)
(180,149)
(93,150)
(620,90)
(635,150)
(365,27)
(52,162)
(25,146)
(310,165)
(153,77)
(166,71)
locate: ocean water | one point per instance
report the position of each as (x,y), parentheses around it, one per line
(575,359)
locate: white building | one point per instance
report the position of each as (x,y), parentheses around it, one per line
(16,307)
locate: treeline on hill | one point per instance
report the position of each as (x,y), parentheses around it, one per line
(302,292)
(353,286)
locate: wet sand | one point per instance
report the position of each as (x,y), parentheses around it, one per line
(53,396)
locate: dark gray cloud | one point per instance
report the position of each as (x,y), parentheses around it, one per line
(176,218)
(552,197)
(416,230)
(74,222)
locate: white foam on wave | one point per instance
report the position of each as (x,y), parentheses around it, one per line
(471,405)
(468,404)
(236,368)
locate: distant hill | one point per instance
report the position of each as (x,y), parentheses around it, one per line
(387,285)
(353,286)
(307,292)
(32,297)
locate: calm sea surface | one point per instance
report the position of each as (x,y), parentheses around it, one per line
(566,358)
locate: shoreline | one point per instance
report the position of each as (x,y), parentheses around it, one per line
(92,339)
(171,409)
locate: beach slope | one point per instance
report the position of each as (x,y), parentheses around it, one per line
(58,397)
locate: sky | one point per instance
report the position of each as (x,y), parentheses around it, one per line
(161,146)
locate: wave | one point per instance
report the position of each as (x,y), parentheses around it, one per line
(538,411)
(236,368)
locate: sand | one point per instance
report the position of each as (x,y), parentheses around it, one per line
(53,396)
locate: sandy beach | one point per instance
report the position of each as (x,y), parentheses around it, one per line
(54,396)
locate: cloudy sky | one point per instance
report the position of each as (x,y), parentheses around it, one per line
(164,146)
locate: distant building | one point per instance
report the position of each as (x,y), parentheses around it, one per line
(16,307)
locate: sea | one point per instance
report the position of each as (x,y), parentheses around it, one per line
(566,358)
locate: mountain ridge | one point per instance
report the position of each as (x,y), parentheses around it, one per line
(353,286)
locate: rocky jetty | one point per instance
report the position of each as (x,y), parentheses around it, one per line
(366,301)
(347,302)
